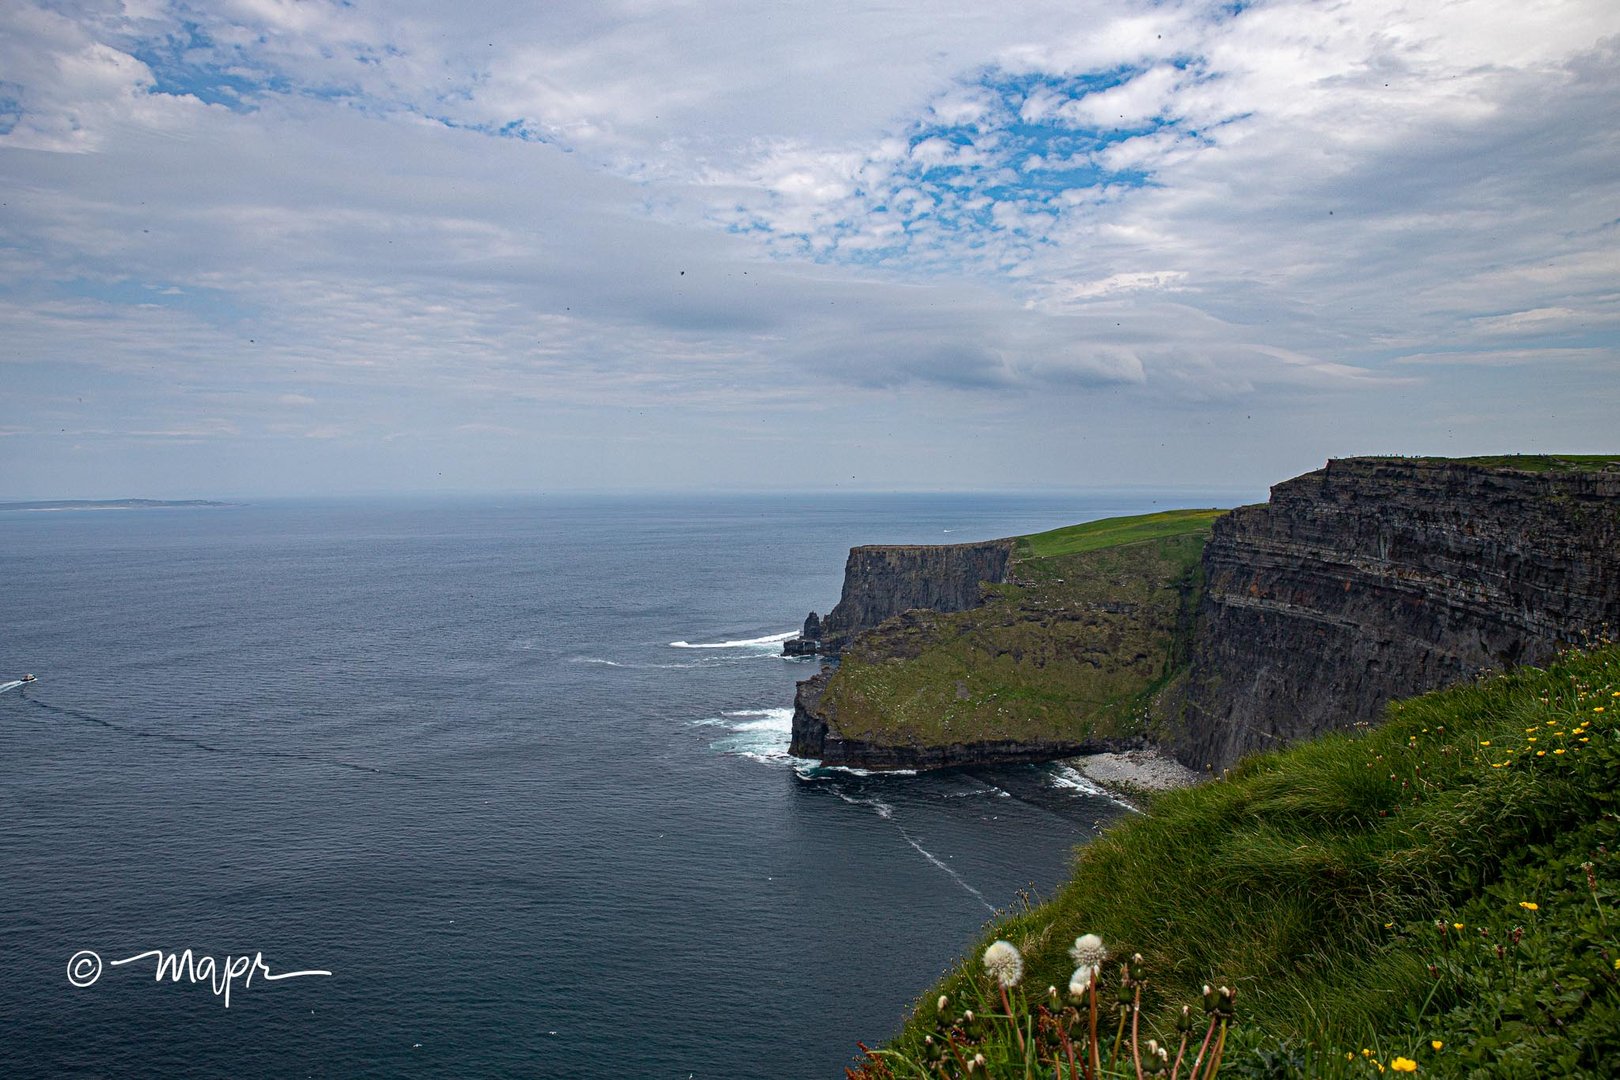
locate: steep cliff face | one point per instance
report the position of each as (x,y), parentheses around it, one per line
(1380,578)
(882,581)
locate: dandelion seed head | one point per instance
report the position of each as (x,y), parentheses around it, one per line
(1080,981)
(1004,962)
(1089,950)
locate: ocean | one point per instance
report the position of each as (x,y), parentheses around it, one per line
(513,771)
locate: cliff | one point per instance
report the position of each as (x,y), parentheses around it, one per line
(883,581)
(1062,657)
(1370,579)
(1375,578)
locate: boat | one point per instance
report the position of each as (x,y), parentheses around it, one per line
(28,678)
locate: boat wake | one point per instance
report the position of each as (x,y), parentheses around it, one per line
(198,744)
(12,685)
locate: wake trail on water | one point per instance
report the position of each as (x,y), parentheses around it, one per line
(886,812)
(197,744)
(12,685)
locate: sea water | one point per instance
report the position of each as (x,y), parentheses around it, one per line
(512,772)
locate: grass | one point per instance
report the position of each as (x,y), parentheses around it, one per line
(1113,532)
(1096,621)
(1449,877)
(1536,463)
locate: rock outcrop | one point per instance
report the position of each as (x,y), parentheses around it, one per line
(885,580)
(1376,578)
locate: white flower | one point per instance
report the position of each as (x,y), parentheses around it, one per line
(1080,981)
(1002,960)
(943,1001)
(1088,951)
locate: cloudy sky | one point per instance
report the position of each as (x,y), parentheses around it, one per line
(258,247)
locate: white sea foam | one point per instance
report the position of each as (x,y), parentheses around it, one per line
(1065,776)
(758,734)
(747,643)
(10,685)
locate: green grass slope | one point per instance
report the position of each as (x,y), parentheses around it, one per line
(1441,889)
(1095,622)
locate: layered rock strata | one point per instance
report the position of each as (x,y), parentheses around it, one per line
(885,580)
(1374,579)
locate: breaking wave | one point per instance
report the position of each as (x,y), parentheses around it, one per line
(747,643)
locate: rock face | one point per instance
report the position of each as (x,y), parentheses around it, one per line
(881,581)
(1374,579)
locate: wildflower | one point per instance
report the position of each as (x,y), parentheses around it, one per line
(1437,1044)
(1003,960)
(1388,925)
(1558,751)
(1617,965)
(1456,926)
(1485,742)
(1541,753)
(1080,981)
(1088,951)
(1403,1064)
(943,1001)
(1529,905)
(1597,708)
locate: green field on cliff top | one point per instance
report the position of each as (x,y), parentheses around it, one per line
(1525,462)
(1094,623)
(1112,532)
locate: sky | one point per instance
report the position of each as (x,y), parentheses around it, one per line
(265,247)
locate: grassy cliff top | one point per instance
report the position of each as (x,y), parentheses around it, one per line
(1113,532)
(1520,462)
(1093,625)
(1444,888)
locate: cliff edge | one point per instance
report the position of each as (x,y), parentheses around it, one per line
(1379,578)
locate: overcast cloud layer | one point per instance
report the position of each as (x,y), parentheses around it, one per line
(266,247)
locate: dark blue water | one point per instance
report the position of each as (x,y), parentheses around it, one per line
(447,751)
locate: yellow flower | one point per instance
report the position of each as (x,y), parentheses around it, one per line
(1617,965)
(1558,751)
(1388,925)
(1597,708)
(1585,740)
(1552,723)
(1437,1044)
(1366,1052)
(1532,739)
(1456,926)
(1529,905)
(1485,742)
(1403,1064)
(1541,753)
(1350,1056)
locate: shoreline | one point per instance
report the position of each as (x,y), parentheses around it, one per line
(1133,774)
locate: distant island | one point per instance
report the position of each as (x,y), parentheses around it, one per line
(112,504)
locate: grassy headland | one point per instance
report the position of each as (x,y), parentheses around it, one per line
(1095,621)
(1534,463)
(1437,894)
